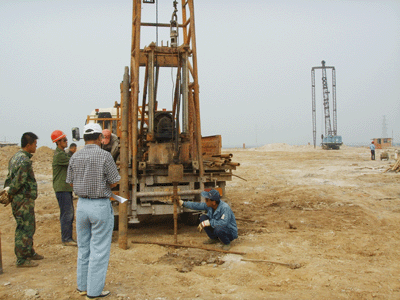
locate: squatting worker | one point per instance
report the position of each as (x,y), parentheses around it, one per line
(22,188)
(62,189)
(92,172)
(110,143)
(219,223)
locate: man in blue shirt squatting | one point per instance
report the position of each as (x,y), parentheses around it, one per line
(219,223)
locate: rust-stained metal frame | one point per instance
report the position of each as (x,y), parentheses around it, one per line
(184,56)
(147,178)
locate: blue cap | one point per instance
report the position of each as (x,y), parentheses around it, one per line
(212,195)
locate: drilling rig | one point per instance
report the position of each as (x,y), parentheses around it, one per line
(331,140)
(163,155)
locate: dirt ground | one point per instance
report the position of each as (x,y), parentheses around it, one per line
(334,213)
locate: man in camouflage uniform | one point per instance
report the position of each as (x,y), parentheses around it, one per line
(23,192)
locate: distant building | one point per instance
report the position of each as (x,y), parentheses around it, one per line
(381,143)
(5,144)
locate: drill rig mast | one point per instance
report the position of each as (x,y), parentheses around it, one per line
(163,153)
(331,140)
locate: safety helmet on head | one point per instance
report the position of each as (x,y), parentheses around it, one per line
(57,135)
(212,195)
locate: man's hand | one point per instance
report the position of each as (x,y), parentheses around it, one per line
(5,198)
(203,224)
(171,201)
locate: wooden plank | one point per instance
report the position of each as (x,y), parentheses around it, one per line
(211,145)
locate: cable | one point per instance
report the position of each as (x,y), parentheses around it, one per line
(156,22)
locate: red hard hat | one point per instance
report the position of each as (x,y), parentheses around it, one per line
(57,135)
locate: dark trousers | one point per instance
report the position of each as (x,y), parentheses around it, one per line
(24,213)
(222,233)
(66,214)
(373,154)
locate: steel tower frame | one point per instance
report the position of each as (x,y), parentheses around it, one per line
(328,128)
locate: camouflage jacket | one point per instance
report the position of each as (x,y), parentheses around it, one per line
(21,178)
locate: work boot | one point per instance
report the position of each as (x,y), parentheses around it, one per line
(102,295)
(36,257)
(211,241)
(226,247)
(70,243)
(28,264)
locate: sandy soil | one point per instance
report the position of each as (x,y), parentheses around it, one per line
(334,213)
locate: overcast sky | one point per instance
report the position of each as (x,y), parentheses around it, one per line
(60,59)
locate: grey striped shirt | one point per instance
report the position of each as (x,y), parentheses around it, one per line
(91,171)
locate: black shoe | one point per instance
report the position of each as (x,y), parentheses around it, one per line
(102,295)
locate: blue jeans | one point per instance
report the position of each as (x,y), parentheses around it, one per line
(66,214)
(94,227)
(222,233)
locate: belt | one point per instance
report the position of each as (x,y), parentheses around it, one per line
(93,198)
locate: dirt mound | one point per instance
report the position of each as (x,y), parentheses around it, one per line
(43,154)
(42,158)
(5,154)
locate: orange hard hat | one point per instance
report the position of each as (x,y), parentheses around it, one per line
(57,135)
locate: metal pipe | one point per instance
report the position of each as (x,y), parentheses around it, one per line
(160,24)
(156,82)
(124,163)
(334,101)
(168,193)
(175,194)
(150,91)
(134,98)
(185,94)
(146,75)
(196,94)
(185,22)
(1,260)
(314,120)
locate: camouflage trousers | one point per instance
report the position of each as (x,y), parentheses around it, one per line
(24,213)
